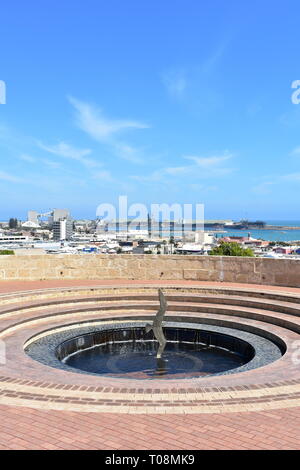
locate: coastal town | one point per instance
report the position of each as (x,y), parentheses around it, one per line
(56,232)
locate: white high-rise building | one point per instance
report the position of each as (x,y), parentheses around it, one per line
(62,229)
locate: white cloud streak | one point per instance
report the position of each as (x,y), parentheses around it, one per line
(10,178)
(103,175)
(175,83)
(296,151)
(210,162)
(292,177)
(65,150)
(92,121)
(203,167)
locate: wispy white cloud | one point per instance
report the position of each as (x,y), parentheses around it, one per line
(202,167)
(276,180)
(39,180)
(184,83)
(51,163)
(210,162)
(295,151)
(263,188)
(92,121)
(45,161)
(253,109)
(175,82)
(4,176)
(103,175)
(291,177)
(295,175)
(154,177)
(209,65)
(201,187)
(65,150)
(27,158)
(176,170)
(128,152)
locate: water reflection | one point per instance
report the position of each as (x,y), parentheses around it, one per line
(161,367)
(130,352)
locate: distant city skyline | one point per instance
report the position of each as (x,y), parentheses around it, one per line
(289,222)
(166,102)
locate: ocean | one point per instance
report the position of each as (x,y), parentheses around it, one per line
(271,235)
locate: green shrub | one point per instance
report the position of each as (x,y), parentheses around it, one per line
(231,249)
(7,252)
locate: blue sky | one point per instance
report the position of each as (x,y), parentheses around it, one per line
(178,101)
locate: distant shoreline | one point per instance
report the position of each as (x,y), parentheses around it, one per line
(271,227)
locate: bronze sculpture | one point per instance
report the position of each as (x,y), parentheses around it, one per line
(157,324)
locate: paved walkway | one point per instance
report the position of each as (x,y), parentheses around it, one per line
(28,428)
(13,286)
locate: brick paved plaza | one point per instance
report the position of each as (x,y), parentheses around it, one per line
(45,408)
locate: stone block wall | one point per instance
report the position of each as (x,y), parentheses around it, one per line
(280,272)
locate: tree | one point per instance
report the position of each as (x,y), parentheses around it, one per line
(231,249)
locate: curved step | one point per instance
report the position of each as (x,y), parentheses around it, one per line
(30,313)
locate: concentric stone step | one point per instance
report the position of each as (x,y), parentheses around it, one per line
(27,314)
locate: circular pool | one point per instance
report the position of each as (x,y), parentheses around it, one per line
(131,352)
(125,350)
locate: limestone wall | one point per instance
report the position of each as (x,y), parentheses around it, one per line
(204,268)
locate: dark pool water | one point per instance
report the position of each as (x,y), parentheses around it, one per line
(138,360)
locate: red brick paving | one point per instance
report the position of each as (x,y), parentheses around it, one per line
(27,428)
(11,286)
